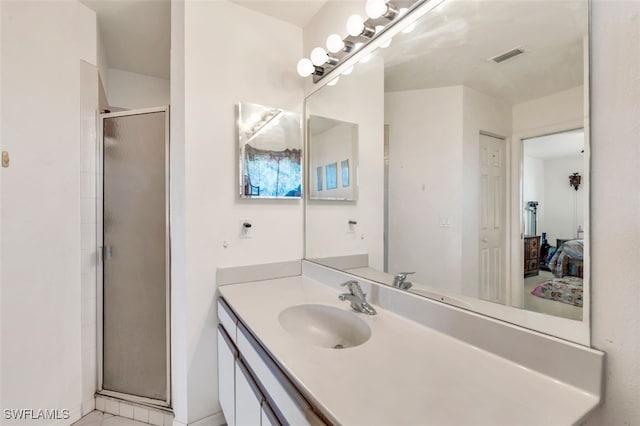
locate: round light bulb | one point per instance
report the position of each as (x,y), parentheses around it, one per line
(334,43)
(375,8)
(348,71)
(355,25)
(386,44)
(333,82)
(410,28)
(305,67)
(318,56)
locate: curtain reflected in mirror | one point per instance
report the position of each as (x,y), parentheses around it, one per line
(270,151)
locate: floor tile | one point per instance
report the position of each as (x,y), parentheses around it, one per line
(121,421)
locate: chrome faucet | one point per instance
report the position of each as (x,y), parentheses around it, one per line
(400,280)
(357,298)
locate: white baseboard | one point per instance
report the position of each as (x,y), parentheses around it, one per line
(74,415)
(88,406)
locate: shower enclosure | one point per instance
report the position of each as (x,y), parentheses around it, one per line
(134,274)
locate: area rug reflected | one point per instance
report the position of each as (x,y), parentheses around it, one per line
(566,290)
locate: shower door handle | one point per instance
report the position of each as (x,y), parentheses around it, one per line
(106,253)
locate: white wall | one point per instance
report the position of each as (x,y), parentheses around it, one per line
(89,94)
(130,90)
(615,212)
(102,61)
(564,206)
(179,307)
(244,57)
(332,147)
(433,174)
(533,190)
(42,46)
(328,233)
(425,184)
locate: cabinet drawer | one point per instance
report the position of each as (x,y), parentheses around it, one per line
(227,318)
(294,409)
(532,265)
(227,355)
(268,416)
(248,398)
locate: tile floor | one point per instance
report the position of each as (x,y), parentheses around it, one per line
(98,418)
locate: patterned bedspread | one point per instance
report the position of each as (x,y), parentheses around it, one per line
(573,249)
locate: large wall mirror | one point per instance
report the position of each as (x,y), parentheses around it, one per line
(473,162)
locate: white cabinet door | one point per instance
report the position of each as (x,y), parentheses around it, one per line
(226,376)
(268,417)
(248,398)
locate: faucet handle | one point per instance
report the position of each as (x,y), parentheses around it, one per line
(354,288)
(403,275)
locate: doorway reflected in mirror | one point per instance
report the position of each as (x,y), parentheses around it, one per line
(554,223)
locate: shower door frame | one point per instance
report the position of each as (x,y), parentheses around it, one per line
(99,261)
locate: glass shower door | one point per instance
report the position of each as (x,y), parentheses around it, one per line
(135,268)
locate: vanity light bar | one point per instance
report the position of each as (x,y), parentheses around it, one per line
(381,14)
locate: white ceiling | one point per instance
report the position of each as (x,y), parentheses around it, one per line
(555,146)
(136,34)
(452,45)
(296,12)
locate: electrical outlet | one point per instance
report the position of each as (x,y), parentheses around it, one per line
(246,228)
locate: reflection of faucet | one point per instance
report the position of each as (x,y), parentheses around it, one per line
(357,298)
(399,281)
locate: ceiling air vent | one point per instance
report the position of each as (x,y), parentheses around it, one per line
(507,55)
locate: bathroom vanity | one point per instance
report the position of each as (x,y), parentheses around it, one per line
(417,361)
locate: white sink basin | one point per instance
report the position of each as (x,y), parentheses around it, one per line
(325,326)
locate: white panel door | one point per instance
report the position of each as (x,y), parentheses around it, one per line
(492,218)
(248,398)
(226,378)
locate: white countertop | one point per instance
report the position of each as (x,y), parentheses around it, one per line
(406,373)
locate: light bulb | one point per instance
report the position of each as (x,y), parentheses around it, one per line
(333,82)
(376,8)
(386,44)
(305,67)
(410,28)
(318,56)
(348,71)
(334,43)
(355,25)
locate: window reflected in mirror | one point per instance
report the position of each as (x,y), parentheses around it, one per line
(270,147)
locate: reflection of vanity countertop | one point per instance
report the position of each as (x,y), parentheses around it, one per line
(417,288)
(406,373)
